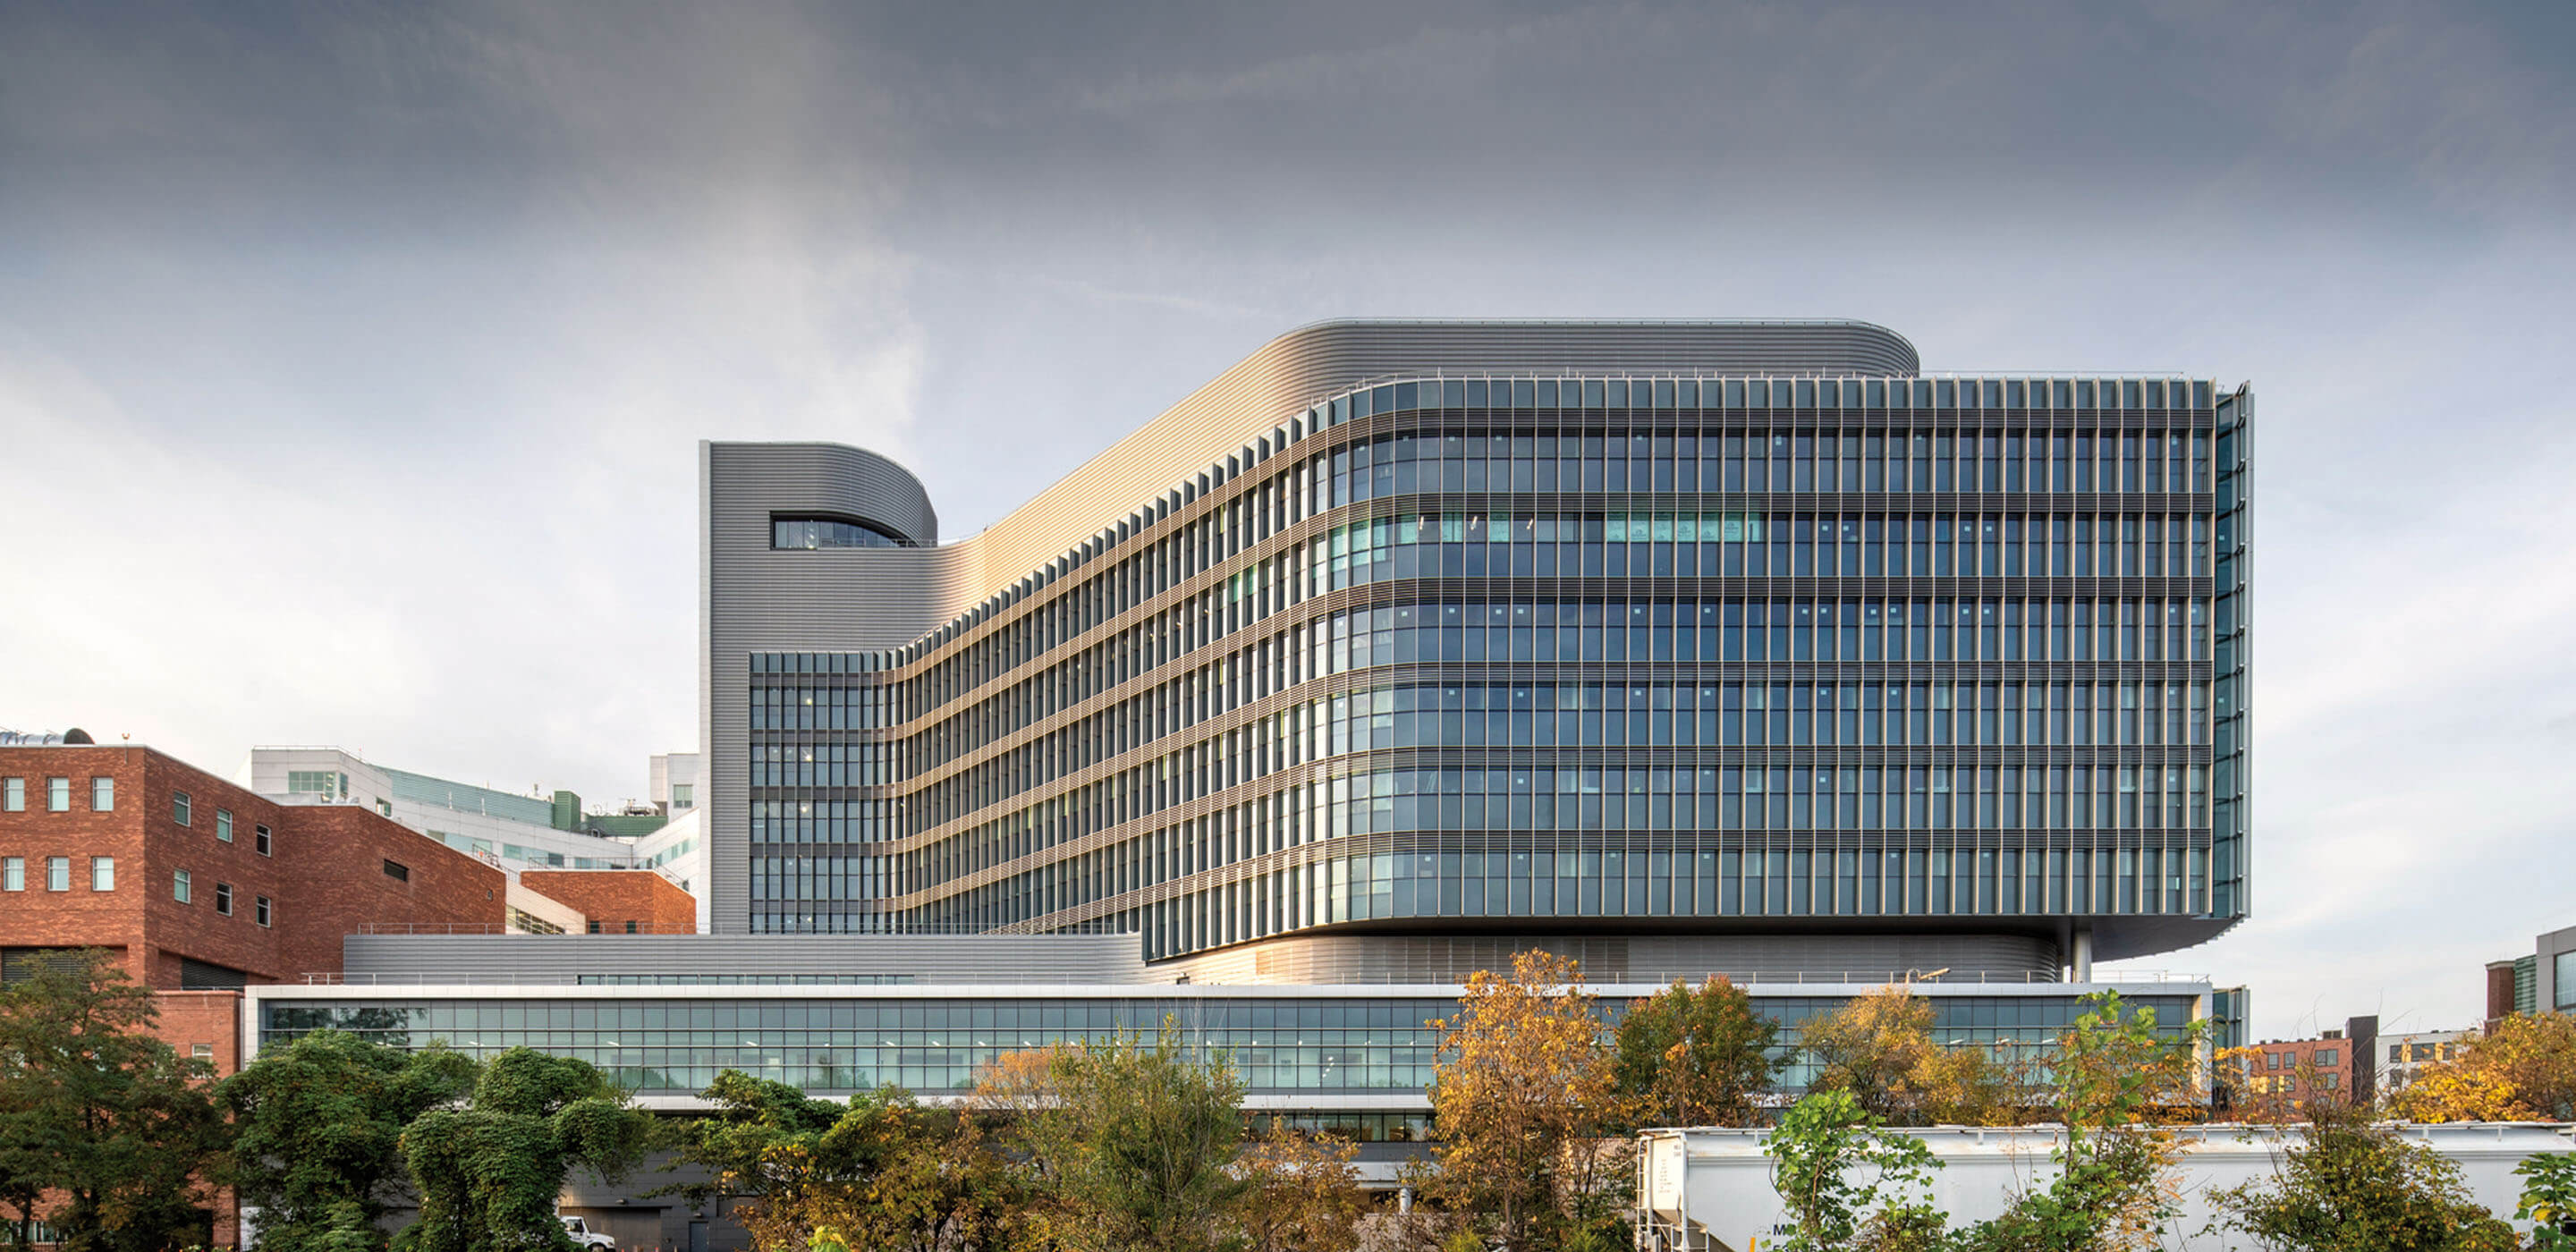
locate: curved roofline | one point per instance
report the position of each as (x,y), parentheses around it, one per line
(1711,323)
(1250,404)
(1293,369)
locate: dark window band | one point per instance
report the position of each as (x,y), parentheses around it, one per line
(805,533)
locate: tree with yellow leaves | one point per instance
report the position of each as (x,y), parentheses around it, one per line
(1879,1048)
(1305,1194)
(1523,1097)
(2524,1070)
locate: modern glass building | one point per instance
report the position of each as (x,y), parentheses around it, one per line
(1681,648)
(1744,642)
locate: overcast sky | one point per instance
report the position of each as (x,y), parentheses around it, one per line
(352,357)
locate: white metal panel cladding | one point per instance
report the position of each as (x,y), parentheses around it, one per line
(759,599)
(566,959)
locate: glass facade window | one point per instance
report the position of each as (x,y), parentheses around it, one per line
(102,795)
(1976,647)
(102,873)
(2563,976)
(830,532)
(318,782)
(1352,1045)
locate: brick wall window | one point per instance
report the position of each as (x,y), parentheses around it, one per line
(179,807)
(58,795)
(224,898)
(179,888)
(102,873)
(259,840)
(58,873)
(13,795)
(202,1051)
(224,825)
(260,909)
(102,795)
(13,873)
(397,871)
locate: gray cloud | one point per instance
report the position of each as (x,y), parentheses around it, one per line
(361,349)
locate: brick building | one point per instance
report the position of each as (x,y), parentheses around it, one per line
(619,901)
(2280,1075)
(198,885)
(199,888)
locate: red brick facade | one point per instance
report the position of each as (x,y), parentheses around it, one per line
(2281,1076)
(271,902)
(619,901)
(324,872)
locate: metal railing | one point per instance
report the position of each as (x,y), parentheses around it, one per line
(503,928)
(1148,982)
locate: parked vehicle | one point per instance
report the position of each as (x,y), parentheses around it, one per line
(582,1234)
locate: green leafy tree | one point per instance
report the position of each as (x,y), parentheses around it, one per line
(318,1134)
(761,1150)
(99,1114)
(489,1173)
(2115,1070)
(1695,1056)
(1136,1143)
(1832,1162)
(876,1172)
(2350,1186)
(2549,1200)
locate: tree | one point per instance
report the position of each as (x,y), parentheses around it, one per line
(96,1111)
(489,1173)
(1522,1092)
(318,1126)
(2114,1067)
(2350,1186)
(1868,1046)
(1305,1195)
(1133,1145)
(2549,1200)
(2525,1070)
(876,1172)
(1696,1056)
(1822,1140)
(761,1152)
(1879,1048)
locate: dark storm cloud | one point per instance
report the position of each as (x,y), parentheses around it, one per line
(384,331)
